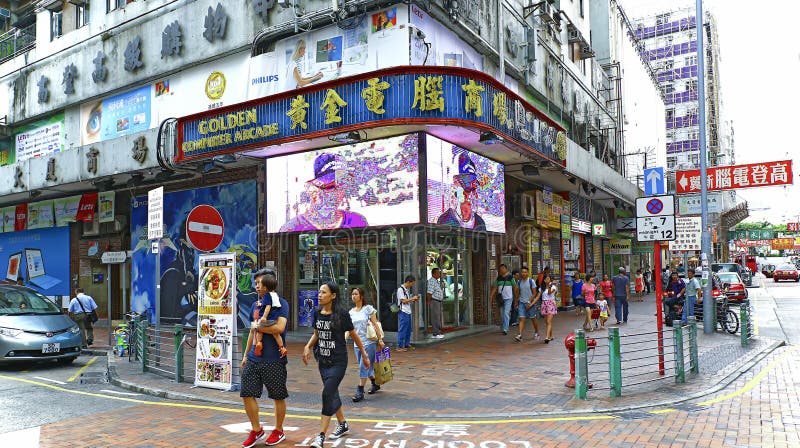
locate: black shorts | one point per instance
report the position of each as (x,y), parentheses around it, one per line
(258,375)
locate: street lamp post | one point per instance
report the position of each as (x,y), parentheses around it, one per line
(709,304)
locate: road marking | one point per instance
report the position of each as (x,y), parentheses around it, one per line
(88,363)
(753,382)
(24,438)
(48,379)
(244,428)
(130,394)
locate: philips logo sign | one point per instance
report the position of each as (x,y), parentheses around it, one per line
(264,79)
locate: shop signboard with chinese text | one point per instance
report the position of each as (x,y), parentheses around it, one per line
(693,205)
(763,174)
(782,244)
(793,226)
(422,96)
(216,320)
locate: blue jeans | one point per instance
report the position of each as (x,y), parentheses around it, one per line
(404,332)
(688,307)
(621,309)
(370,349)
(507,312)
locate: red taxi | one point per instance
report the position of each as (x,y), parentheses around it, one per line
(786,271)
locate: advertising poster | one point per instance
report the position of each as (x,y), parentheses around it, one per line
(308,299)
(373,183)
(116,116)
(105,203)
(8,216)
(40,138)
(38,258)
(216,302)
(331,53)
(66,210)
(179,275)
(205,87)
(40,215)
(464,189)
(8,152)
(446,49)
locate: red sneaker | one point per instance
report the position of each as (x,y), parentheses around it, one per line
(275,437)
(253,438)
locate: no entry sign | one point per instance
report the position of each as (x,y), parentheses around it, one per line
(204,228)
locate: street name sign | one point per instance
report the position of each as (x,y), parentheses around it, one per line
(765,174)
(654,181)
(155,213)
(114,257)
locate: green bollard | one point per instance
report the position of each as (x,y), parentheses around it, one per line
(177,334)
(677,340)
(693,353)
(144,344)
(581,366)
(745,327)
(614,362)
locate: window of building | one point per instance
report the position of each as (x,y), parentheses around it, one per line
(111,5)
(669,87)
(580,2)
(669,64)
(695,159)
(662,19)
(691,85)
(56,24)
(671,136)
(671,162)
(82,15)
(690,61)
(670,114)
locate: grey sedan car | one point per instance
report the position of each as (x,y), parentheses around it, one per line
(33,328)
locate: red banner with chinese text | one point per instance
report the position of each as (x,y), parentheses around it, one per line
(783,244)
(765,174)
(87,207)
(21,217)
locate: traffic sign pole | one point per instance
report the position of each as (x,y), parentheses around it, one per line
(709,304)
(659,305)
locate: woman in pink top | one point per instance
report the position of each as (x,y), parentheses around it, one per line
(589,290)
(607,286)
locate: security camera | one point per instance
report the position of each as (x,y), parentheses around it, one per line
(419,34)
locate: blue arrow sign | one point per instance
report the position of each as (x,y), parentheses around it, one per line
(654,181)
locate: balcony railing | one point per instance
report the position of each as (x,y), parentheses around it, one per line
(16,41)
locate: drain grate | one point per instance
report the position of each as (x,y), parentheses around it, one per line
(94,378)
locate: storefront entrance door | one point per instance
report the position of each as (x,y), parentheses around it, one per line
(351,268)
(453,266)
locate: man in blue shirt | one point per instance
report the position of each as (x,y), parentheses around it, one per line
(269,369)
(622,293)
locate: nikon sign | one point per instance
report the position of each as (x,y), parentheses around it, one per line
(619,246)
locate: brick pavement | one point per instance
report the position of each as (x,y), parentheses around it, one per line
(759,409)
(486,375)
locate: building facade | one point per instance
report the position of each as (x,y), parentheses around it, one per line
(355,142)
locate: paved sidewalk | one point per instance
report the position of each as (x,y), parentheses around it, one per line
(489,375)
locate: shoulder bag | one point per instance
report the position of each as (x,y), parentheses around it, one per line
(90,316)
(499,296)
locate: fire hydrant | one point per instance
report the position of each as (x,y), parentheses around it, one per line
(569,343)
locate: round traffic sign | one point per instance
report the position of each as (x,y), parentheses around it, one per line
(204,228)
(654,206)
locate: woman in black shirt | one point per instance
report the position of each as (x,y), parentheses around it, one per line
(330,322)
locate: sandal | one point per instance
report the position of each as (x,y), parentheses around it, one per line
(518,338)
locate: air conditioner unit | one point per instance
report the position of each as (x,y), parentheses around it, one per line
(91,228)
(587,52)
(546,12)
(527,210)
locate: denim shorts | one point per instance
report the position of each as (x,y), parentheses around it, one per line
(370,349)
(528,313)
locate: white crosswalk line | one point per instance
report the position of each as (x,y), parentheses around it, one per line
(49,380)
(24,438)
(244,428)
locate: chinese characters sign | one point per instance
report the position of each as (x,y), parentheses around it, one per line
(764,174)
(783,244)
(447,96)
(688,234)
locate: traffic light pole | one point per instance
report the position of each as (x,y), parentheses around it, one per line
(709,304)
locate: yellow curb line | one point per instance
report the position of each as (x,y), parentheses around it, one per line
(88,363)
(753,382)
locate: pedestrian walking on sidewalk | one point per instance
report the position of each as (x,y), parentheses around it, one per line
(693,289)
(589,291)
(549,309)
(529,303)
(622,293)
(81,307)
(648,278)
(269,369)
(607,289)
(330,323)
(505,286)
(435,296)
(405,299)
(639,285)
(577,293)
(363,316)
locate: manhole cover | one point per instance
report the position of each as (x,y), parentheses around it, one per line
(474,385)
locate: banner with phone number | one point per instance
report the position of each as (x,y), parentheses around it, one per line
(216,321)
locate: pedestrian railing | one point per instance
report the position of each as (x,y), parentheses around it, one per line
(617,360)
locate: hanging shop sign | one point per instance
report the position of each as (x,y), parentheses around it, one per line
(216,320)
(40,215)
(105,202)
(580,226)
(782,244)
(430,95)
(39,139)
(599,229)
(693,205)
(620,246)
(765,174)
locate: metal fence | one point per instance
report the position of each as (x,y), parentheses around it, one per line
(615,361)
(16,41)
(746,317)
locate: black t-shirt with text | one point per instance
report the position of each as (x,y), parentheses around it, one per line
(331,346)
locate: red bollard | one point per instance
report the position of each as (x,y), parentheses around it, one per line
(569,343)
